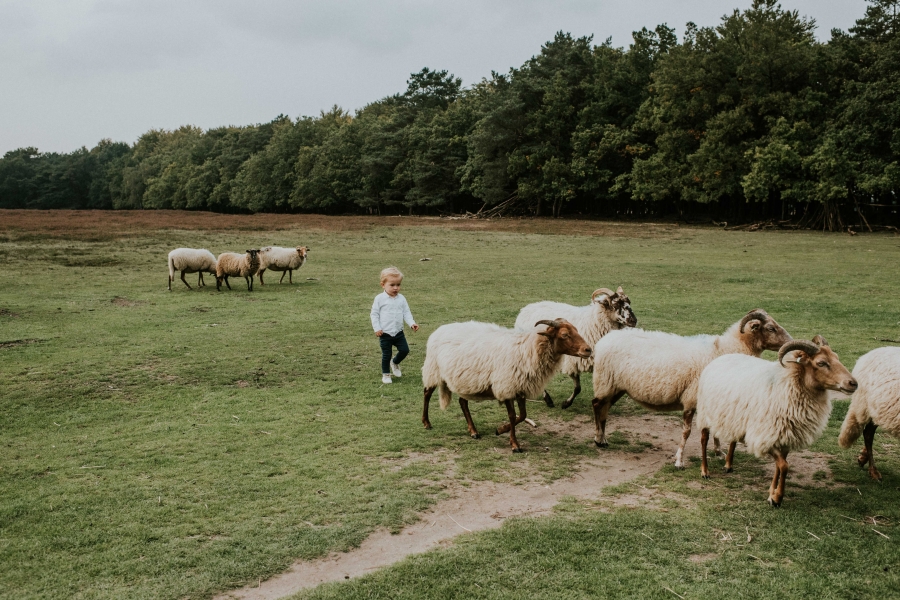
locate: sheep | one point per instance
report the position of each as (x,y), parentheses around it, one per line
(660,370)
(191,260)
(232,264)
(286,260)
(772,407)
(876,403)
(607,311)
(483,361)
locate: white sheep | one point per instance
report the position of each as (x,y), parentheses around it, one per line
(772,407)
(875,404)
(660,370)
(483,361)
(232,264)
(191,260)
(607,311)
(276,258)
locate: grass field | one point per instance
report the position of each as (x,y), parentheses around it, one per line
(176,444)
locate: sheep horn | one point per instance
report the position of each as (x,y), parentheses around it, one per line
(810,348)
(820,340)
(606,291)
(553,323)
(755,314)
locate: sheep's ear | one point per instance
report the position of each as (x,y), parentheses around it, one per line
(820,341)
(754,325)
(619,290)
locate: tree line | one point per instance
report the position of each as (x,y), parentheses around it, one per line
(753,119)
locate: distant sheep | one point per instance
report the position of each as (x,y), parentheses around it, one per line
(191,260)
(773,407)
(483,361)
(232,264)
(660,370)
(875,404)
(607,311)
(276,258)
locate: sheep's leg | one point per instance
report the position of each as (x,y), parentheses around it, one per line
(729,458)
(576,378)
(601,411)
(226,282)
(688,418)
(776,490)
(512,426)
(200,282)
(291,276)
(464,405)
(428,392)
(717,447)
(185,281)
(249,281)
(505,427)
(704,440)
(866,456)
(547,399)
(261,282)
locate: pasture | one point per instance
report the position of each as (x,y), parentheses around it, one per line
(181,444)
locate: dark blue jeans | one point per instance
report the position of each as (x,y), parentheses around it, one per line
(387,341)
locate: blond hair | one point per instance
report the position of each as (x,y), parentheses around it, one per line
(390,272)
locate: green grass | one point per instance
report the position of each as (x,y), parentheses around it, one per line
(171,445)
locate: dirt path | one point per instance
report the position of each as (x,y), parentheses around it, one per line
(484,505)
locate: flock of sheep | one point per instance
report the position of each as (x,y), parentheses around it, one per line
(233,264)
(772,407)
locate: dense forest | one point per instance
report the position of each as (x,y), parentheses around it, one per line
(753,120)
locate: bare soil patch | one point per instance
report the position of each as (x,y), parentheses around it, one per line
(112,224)
(485,505)
(15,343)
(122,301)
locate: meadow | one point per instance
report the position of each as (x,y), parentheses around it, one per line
(179,444)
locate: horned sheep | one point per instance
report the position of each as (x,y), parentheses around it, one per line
(772,407)
(875,404)
(483,361)
(232,264)
(660,370)
(191,260)
(607,311)
(276,258)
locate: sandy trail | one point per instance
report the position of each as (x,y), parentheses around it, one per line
(485,505)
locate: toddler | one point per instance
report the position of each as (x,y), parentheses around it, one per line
(389,311)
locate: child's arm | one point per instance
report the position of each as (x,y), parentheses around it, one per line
(407,316)
(376,317)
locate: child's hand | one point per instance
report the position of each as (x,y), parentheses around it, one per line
(379,332)
(415,326)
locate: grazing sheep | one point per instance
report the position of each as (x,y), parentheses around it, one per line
(483,361)
(191,260)
(607,311)
(276,258)
(772,407)
(876,403)
(232,264)
(660,370)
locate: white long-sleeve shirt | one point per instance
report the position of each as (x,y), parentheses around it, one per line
(389,313)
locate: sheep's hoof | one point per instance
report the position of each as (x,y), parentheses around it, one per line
(427,425)
(861,461)
(548,400)
(704,475)
(729,470)
(875,475)
(475,436)
(679,467)
(566,404)
(517,450)
(601,444)
(774,503)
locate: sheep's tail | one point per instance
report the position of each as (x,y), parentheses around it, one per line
(171,269)
(851,429)
(446,395)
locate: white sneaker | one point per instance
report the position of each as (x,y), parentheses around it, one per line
(395,369)
(386,379)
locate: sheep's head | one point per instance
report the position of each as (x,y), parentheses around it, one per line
(762,331)
(617,306)
(302,250)
(821,368)
(565,338)
(254,254)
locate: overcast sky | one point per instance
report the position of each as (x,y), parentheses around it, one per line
(73,72)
